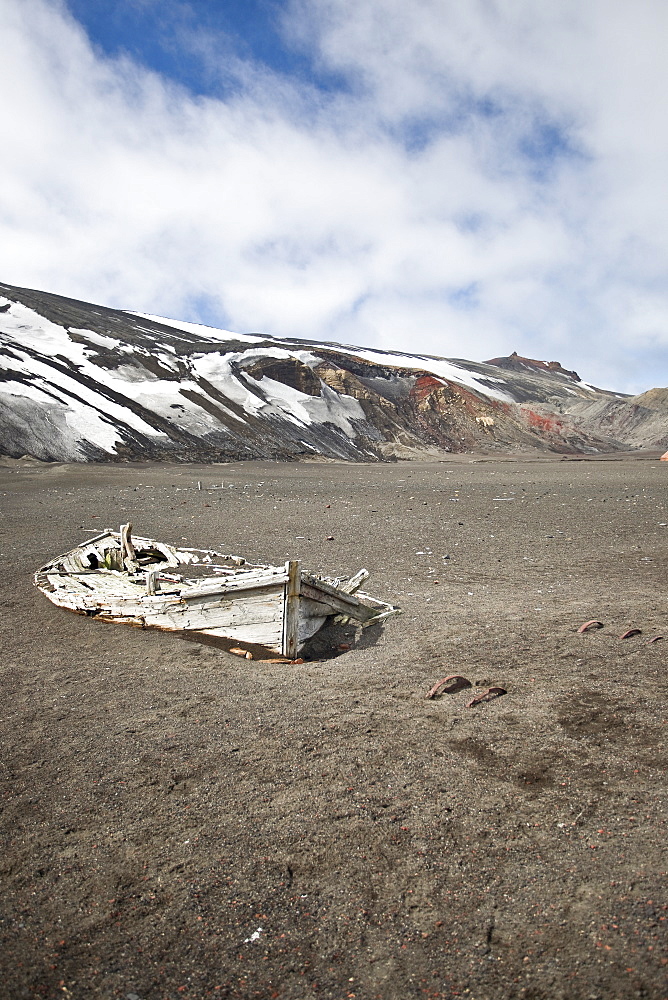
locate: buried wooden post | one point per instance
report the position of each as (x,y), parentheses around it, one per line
(127,548)
(291,613)
(128,555)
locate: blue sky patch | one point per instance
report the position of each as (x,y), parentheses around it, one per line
(206,309)
(466,297)
(544,145)
(196,44)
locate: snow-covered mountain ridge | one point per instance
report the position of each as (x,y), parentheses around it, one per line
(80,382)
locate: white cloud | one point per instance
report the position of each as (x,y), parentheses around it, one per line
(492,180)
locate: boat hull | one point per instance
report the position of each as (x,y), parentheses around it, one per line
(115,578)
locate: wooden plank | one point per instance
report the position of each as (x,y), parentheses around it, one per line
(57,563)
(327,588)
(113,587)
(127,548)
(355,582)
(240,561)
(291,609)
(69,584)
(211,637)
(109,585)
(313,609)
(128,554)
(73,561)
(244,581)
(380,617)
(64,600)
(340,603)
(137,607)
(268,635)
(258,609)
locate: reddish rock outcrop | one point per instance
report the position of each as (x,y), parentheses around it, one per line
(121,387)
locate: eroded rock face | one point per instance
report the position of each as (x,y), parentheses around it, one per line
(515,362)
(80,382)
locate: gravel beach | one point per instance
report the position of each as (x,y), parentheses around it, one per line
(179,822)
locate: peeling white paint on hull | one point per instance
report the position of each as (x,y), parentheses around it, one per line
(142,582)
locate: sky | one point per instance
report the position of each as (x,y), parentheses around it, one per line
(456,179)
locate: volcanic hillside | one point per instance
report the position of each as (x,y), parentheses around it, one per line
(80,382)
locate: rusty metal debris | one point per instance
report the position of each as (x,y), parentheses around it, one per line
(489,695)
(456,682)
(590,625)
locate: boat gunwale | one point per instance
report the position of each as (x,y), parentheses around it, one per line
(239,577)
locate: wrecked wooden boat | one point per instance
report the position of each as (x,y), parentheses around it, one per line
(143,582)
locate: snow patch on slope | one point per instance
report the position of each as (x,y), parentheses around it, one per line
(86,424)
(435,366)
(335,408)
(200,330)
(141,384)
(73,393)
(98,339)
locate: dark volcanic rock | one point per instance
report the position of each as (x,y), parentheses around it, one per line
(80,382)
(516,363)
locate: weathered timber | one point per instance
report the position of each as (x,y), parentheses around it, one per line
(340,603)
(128,554)
(355,582)
(275,609)
(291,614)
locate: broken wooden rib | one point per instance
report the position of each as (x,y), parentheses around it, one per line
(140,581)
